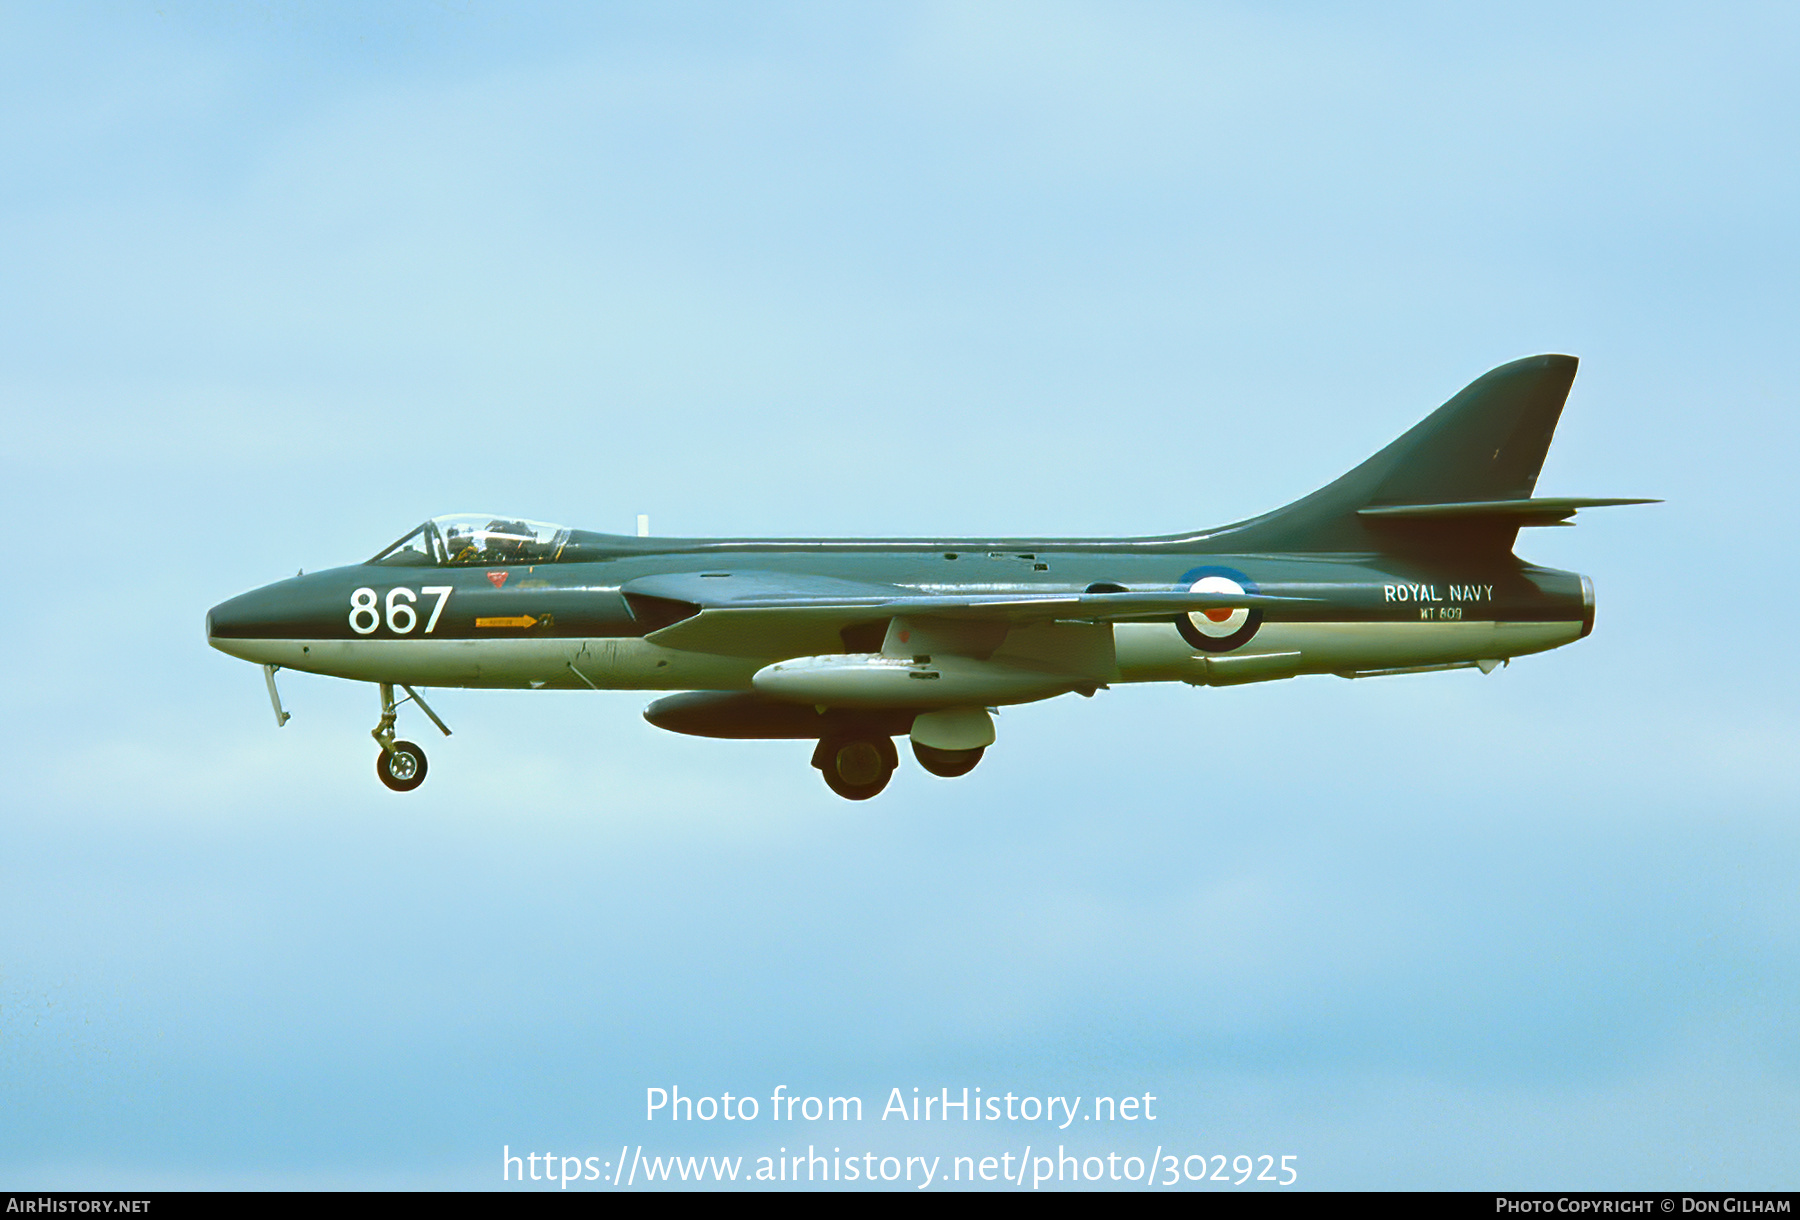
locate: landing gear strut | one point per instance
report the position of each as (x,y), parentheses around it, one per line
(401,764)
(856,768)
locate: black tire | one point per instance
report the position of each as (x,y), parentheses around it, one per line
(404,769)
(947,763)
(856,768)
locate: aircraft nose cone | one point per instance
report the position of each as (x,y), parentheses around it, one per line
(259,625)
(225,624)
(243,621)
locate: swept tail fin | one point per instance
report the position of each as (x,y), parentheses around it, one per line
(1463,476)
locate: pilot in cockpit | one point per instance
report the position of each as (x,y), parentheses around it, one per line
(459,545)
(510,542)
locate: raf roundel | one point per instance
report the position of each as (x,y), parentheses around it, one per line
(1219,630)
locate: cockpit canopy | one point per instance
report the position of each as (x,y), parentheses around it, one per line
(476,539)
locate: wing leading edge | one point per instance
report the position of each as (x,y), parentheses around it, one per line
(768,613)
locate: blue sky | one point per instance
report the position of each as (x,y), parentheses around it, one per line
(282,280)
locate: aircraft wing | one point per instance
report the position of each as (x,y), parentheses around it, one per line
(772,613)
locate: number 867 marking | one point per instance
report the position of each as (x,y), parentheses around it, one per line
(401,618)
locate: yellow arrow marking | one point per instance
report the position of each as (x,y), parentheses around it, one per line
(517,620)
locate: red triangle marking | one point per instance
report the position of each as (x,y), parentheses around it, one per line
(499,578)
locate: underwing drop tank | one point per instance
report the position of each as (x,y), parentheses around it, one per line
(874,680)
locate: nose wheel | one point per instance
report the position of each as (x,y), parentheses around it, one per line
(401,764)
(402,768)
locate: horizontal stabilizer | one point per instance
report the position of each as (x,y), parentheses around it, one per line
(1463,477)
(1538,510)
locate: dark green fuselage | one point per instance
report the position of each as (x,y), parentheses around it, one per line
(1371,611)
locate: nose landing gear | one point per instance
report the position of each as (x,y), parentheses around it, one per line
(401,764)
(401,767)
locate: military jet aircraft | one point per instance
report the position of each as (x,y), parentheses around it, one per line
(1404,565)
